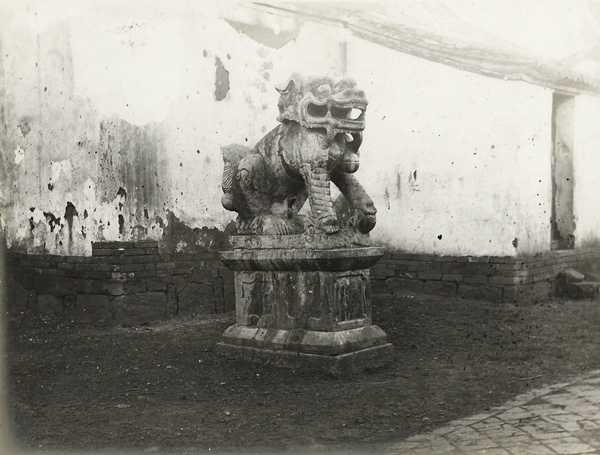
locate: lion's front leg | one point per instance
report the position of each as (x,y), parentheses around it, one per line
(319,196)
(364,212)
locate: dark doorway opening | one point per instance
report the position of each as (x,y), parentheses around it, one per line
(563,178)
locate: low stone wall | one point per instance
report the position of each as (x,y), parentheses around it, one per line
(495,279)
(127,283)
(132,283)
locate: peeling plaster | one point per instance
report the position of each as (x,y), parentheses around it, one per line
(63,167)
(221,80)
(24,125)
(122,193)
(52,220)
(130,104)
(19,155)
(121,224)
(70,213)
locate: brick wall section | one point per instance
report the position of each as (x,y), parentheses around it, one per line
(132,283)
(127,283)
(496,279)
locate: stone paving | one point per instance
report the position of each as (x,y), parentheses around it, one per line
(556,419)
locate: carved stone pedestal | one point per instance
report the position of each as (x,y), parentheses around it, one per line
(305,309)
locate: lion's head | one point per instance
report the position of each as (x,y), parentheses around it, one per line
(322,103)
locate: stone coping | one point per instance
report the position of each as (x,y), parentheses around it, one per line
(343,239)
(302,259)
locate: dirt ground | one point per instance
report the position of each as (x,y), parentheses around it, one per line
(162,388)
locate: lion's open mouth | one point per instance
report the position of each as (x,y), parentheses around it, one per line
(348,140)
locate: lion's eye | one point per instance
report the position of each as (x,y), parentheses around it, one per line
(355,114)
(316,110)
(339,112)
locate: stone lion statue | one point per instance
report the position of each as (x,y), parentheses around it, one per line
(316,143)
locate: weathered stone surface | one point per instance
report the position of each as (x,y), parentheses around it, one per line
(50,304)
(119,246)
(578,290)
(137,309)
(18,299)
(310,240)
(440,287)
(118,287)
(573,284)
(335,343)
(57,285)
(322,313)
(195,298)
(93,309)
(228,297)
(317,143)
(26,280)
(180,282)
(157,283)
(85,287)
(308,341)
(587,289)
(301,282)
(226,274)
(572,276)
(305,259)
(311,300)
(204,275)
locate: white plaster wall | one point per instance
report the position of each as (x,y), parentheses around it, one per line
(586,162)
(480,148)
(98,98)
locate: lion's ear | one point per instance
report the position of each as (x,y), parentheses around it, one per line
(284,90)
(289,86)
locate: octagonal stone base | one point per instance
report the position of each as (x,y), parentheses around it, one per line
(305,308)
(342,365)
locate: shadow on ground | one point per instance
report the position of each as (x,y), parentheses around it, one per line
(161,387)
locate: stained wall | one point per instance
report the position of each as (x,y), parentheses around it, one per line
(461,161)
(113,117)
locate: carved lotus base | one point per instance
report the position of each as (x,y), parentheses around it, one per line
(296,306)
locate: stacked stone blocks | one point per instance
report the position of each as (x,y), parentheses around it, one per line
(127,283)
(134,283)
(493,278)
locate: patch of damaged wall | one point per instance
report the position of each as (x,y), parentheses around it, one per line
(113,118)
